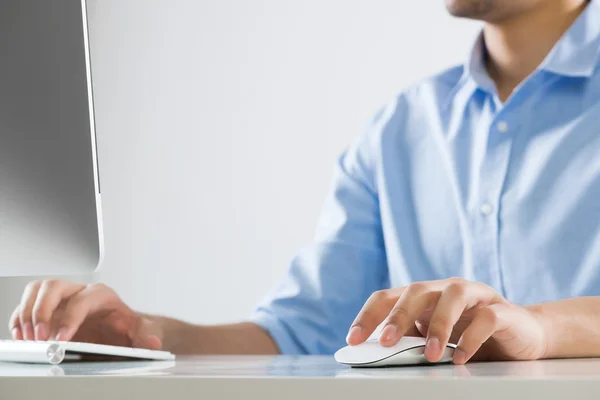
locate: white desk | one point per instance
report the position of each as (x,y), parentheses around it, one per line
(303,378)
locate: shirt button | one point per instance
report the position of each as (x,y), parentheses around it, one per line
(486,209)
(502,126)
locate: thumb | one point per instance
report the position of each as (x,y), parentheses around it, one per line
(146,336)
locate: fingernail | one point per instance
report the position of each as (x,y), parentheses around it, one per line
(433,345)
(62,335)
(41,332)
(354,333)
(16,334)
(389,333)
(460,357)
(28,331)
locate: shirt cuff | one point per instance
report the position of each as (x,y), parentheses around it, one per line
(278,331)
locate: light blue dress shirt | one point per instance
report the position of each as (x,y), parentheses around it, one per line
(448,181)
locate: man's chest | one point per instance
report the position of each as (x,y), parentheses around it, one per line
(508,197)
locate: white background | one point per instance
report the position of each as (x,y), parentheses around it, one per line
(219,123)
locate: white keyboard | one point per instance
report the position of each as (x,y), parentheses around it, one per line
(24,351)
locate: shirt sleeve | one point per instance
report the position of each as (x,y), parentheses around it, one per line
(328,282)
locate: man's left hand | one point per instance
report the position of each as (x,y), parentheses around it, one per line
(483,324)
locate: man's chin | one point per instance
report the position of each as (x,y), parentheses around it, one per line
(472,9)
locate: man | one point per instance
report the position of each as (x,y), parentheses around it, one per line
(488,173)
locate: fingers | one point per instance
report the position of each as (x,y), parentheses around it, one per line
(372,314)
(457,297)
(26,307)
(14,325)
(50,295)
(32,318)
(432,309)
(146,336)
(486,322)
(412,303)
(89,300)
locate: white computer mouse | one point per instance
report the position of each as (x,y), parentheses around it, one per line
(408,351)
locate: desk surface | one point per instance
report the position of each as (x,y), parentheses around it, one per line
(299,378)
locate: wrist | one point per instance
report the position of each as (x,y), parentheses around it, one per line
(547,330)
(179,337)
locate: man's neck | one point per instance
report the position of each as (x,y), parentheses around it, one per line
(516,47)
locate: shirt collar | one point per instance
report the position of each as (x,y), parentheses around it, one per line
(475,66)
(474,74)
(575,54)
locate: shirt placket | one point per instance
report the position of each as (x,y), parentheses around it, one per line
(485,215)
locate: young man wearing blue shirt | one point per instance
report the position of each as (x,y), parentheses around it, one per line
(469,211)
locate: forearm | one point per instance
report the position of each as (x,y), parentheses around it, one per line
(243,338)
(572,327)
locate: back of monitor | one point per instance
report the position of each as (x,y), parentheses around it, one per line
(49,189)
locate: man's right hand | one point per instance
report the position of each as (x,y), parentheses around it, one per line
(66,311)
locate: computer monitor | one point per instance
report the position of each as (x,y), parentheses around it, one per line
(50,221)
